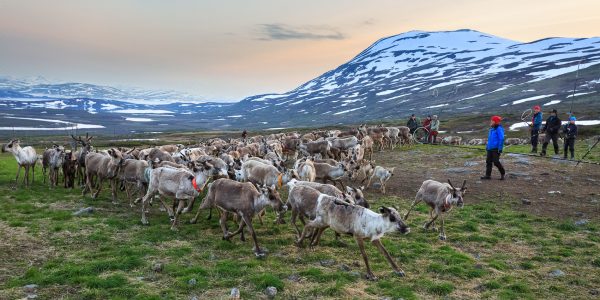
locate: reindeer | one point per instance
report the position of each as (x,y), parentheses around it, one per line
(440,197)
(244,200)
(361,223)
(56,160)
(383,175)
(69,168)
(86,147)
(180,185)
(105,167)
(326,172)
(26,158)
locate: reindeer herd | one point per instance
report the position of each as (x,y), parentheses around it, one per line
(242,177)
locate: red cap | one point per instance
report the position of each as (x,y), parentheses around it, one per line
(537,107)
(496,119)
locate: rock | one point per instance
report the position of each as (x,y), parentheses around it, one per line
(212,256)
(478,182)
(84,211)
(554,192)
(157,267)
(518,175)
(471,163)
(581,222)
(194,298)
(591,180)
(479,266)
(235,293)
(557,273)
(579,214)
(594,292)
(192,281)
(544,173)
(355,274)
(271,292)
(140,278)
(294,278)
(476,256)
(327,262)
(523,161)
(345,268)
(30,288)
(526,201)
(458,170)
(31,296)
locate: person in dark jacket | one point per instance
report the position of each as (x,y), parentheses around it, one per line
(536,124)
(244,134)
(551,129)
(412,124)
(570,131)
(494,147)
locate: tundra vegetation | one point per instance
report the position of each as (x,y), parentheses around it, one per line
(497,247)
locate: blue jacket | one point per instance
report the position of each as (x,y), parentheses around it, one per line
(495,138)
(537,121)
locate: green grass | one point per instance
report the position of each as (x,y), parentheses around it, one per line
(492,252)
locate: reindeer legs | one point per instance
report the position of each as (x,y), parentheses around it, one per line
(442,232)
(383,251)
(417,200)
(361,246)
(246,219)
(177,213)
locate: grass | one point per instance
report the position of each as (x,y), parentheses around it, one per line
(492,252)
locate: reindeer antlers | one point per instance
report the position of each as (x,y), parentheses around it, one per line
(463,185)
(451,184)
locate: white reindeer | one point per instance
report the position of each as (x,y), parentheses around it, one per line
(26,158)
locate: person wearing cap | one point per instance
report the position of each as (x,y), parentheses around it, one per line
(570,131)
(435,126)
(536,124)
(427,126)
(494,147)
(551,128)
(412,123)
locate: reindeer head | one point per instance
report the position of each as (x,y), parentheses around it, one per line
(272,195)
(116,156)
(391,215)
(358,196)
(456,195)
(12,146)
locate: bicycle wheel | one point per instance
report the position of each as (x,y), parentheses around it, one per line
(526,115)
(420,135)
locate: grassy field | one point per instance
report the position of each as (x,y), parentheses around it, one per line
(492,251)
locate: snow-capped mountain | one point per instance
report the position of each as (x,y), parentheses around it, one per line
(39,87)
(430,72)
(446,73)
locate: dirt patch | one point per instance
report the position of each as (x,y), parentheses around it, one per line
(557,189)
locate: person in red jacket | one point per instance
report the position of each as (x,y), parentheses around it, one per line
(427,126)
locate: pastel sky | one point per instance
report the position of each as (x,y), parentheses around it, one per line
(226,50)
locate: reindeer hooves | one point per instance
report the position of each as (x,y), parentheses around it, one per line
(193,221)
(173,228)
(371,277)
(145,222)
(399,273)
(185,211)
(260,254)
(442,237)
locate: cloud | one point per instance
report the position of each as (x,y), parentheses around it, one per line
(368,22)
(281,32)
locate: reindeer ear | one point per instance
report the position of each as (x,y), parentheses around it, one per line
(383,210)
(348,189)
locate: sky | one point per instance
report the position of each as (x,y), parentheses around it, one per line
(227,50)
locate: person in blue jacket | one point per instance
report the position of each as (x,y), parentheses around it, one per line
(570,131)
(495,144)
(536,125)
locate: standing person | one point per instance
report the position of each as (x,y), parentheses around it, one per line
(244,135)
(551,129)
(536,124)
(427,126)
(495,144)
(570,131)
(412,124)
(435,126)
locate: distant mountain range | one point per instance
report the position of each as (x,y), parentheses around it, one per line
(446,73)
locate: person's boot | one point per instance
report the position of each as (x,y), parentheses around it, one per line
(543,153)
(486,177)
(534,150)
(502,176)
